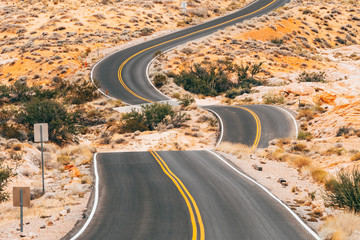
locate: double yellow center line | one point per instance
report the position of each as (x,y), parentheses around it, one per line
(190,202)
(258,127)
(184,36)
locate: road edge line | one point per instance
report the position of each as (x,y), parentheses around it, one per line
(293,118)
(221,126)
(95,201)
(307,228)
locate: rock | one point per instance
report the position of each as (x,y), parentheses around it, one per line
(272,142)
(283,182)
(43,226)
(256,167)
(338,145)
(298,89)
(32,235)
(67,209)
(49,223)
(325,97)
(62,213)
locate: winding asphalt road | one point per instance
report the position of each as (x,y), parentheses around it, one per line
(255,125)
(140,198)
(123,74)
(182,195)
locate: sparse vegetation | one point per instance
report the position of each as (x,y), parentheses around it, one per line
(312,77)
(186,100)
(213,79)
(273,98)
(343,190)
(160,80)
(302,135)
(5,174)
(151,116)
(62,124)
(319,175)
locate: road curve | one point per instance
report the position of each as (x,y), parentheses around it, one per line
(123,74)
(138,200)
(255,125)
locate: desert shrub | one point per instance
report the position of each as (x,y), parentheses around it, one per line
(306,113)
(319,175)
(232,93)
(62,125)
(299,147)
(277,41)
(11,131)
(150,117)
(159,80)
(343,190)
(5,174)
(334,151)
(355,157)
(209,80)
(146,31)
(186,100)
(82,92)
(157,53)
(302,135)
(273,98)
(212,79)
(64,159)
(301,161)
(343,131)
(312,77)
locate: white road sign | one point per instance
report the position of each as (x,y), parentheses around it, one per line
(45,132)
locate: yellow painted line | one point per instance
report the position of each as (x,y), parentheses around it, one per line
(178,182)
(187,35)
(258,127)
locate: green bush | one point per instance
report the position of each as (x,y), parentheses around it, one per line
(150,117)
(343,190)
(159,80)
(212,79)
(5,174)
(186,100)
(10,131)
(277,41)
(304,135)
(312,77)
(344,131)
(232,93)
(62,125)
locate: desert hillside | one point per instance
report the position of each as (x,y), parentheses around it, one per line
(304,56)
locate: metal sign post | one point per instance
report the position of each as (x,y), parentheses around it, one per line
(42,158)
(41,134)
(21,211)
(21,198)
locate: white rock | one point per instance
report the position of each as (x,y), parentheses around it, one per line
(62,213)
(32,235)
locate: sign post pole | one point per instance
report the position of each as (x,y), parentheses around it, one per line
(42,158)
(21,198)
(41,134)
(21,210)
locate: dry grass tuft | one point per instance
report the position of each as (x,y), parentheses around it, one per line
(343,226)
(236,149)
(319,175)
(300,161)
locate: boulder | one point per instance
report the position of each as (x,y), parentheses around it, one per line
(298,89)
